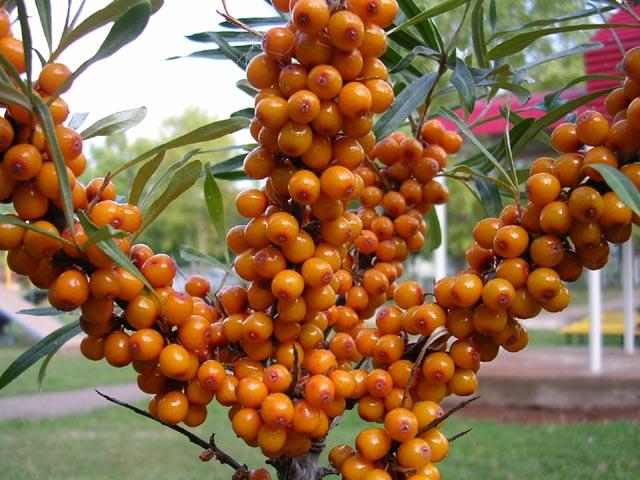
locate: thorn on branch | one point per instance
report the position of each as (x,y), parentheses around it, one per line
(210,448)
(458,435)
(449,412)
(326,472)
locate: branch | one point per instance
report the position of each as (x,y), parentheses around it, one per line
(211,450)
(372,165)
(458,435)
(436,336)
(326,472)
(450,412)
(231,19)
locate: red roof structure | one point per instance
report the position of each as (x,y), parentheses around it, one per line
(601,61)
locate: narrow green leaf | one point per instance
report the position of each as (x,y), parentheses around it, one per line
(23,17)
(477,34)
(40,312)
(42,372)
(392,57)
(111,248)
(489,195)
(10,219)
(205,133)
(102,17)
(233,175)
(519,42)
(181,181)
(124,30)
(427,29)
(229,165)
(245,112)
(42,111)
(464,84)
(154,189)
(77,119)
(406,102)
(211,37)
(51,342)
(238,54)
(103,233)
(585,47)
(620,184)
(115,123)
(44,12)
(434,232)
(466,169)
(553,100)
(431,12)
(466,131)
(190,254)
(9,95)
(416,51)
(145,172)
(255,22)
(244,86)
(553,116)
(493,16)
(552,21)
(215,207)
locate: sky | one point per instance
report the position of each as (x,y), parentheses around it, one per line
(139,74)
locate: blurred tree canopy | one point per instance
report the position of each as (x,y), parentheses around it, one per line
(186,221)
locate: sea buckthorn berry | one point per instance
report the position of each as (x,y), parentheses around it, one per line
(22,162)
(463,383)
(427,412)
(257,327)
(373,443)
(282,228)
(524,304)
(69,290)
(195,333)
(159,270)
(386,13)
(251,203)
(141,312)
(11,236)
(466,290)
(451,142)
(510,241)
(616,101)
(339,454)
(69,141)
(272,112)
(497,294)
(251,392)
(485,231)
(95,188)
(104,283)
(287,285)
(355,99)
(310,16)
(107,212)
(278,43)
(7,134)
(145,344)
(598,155)
(346,30)
(408,294)
(319,391)
(633,113)
(52,77)
(303,107)
(197,286)
(389,348)
(542,188)
(277,410)
(317,272)
(631,63)
(592,128)
(623,138)
(355,467)
(379,383)
(438,444)
(432,131)
(465,353)
(585,234)
(130,286)
(585,203)
(542,165)
(488,321)
(262,71)
(546,251)
(382,95)
(173,407)
(559,302)
(565,138)
(13,50)
(92,348)
(555,218)
(414,453)
(326,82)
(117,349)
(259,163)
(570,267)
(277,378)
(543,284)
(40,245)
(614,214)
(435,193)
(295,139)
(174,361)
(304,187)
(337,182)
(459,323)
(401,424)
(438,367)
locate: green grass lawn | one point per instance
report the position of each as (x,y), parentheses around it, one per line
(66,370)
(113,443)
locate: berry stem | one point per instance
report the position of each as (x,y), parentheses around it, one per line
(209,446)
(371,164)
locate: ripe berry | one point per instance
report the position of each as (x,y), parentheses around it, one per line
(373,443)
(401,424)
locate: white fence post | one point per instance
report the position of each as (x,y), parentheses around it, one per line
(595,321)
(627,293)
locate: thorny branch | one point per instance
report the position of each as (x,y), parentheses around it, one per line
(231,19)
(449,412)
(211,449)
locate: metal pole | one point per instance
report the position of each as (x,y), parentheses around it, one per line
(627,293)
(595,321)
(440,254)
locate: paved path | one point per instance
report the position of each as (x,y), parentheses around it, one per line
(57,404)
(37,326)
